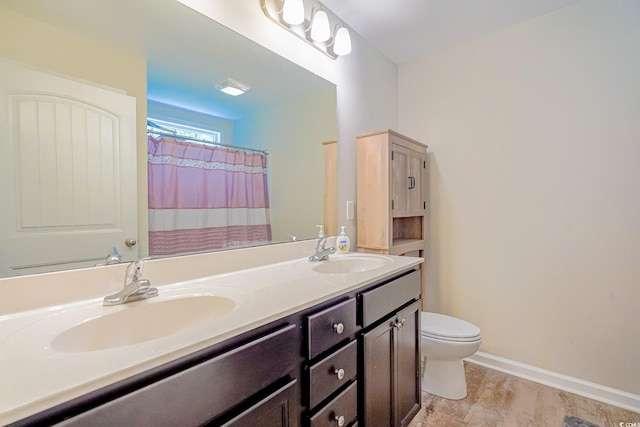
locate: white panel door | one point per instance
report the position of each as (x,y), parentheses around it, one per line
(67,172)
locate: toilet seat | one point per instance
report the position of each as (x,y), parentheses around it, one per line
(447,328)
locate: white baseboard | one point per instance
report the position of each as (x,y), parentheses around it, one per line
(619,398)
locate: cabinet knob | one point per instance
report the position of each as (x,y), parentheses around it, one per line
(339,420)
(339,328)
(339,373)
(400,323)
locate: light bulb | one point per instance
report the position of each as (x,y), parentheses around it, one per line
(293,12)
(320,29)
(342,44)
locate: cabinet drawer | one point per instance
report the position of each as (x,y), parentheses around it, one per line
(328,327)
(200,393)
(378,302)
(332,372)
(341,411)
(272,411)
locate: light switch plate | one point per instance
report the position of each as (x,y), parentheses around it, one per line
(351,212)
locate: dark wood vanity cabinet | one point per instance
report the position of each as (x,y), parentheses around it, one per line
(353,360)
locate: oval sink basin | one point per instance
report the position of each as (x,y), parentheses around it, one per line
(142,321)
(343,264)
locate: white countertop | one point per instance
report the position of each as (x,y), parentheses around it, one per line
(34,376)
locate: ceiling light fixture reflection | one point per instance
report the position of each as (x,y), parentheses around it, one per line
(232,87)
(316,30)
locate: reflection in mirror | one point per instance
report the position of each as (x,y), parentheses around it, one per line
(169,59)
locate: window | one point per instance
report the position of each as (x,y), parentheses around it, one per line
(199,134)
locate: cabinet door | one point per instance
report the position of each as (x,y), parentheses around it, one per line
(400,181)
(408,173)
(391,361)
(417,176)
(272,411)
(377,354)
(407,352)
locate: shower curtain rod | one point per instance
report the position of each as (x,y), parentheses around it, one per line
(217,144)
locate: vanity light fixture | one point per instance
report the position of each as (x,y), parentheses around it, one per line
(316,30)
(232,87)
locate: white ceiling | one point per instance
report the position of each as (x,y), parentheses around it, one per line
(406,30)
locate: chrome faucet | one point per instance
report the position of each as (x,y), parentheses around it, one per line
(322,253)
(135,287)
(113,257)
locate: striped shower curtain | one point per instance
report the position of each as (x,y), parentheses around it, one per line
(203,197)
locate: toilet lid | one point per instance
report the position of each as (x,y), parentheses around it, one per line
(448,328)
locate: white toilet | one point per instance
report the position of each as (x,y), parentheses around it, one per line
(445,342)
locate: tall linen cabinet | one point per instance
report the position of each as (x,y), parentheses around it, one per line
(391,219)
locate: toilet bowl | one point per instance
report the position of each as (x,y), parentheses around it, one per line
(445,341)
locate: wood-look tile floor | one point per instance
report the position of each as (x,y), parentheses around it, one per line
(498,399)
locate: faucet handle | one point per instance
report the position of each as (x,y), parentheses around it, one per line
(323,240)
(134,271)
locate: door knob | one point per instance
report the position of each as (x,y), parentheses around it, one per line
(130,242)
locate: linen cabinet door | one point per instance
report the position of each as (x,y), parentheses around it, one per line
(417,175)
(400,181)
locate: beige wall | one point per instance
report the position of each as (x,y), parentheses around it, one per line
(293,133)
(53,49)
(535,188)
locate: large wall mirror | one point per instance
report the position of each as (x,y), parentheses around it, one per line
(170,59)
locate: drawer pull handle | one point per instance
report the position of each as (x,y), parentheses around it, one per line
(339,373)
(339,328)
(339,420)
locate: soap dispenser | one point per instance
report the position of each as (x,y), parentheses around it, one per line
(342,242)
